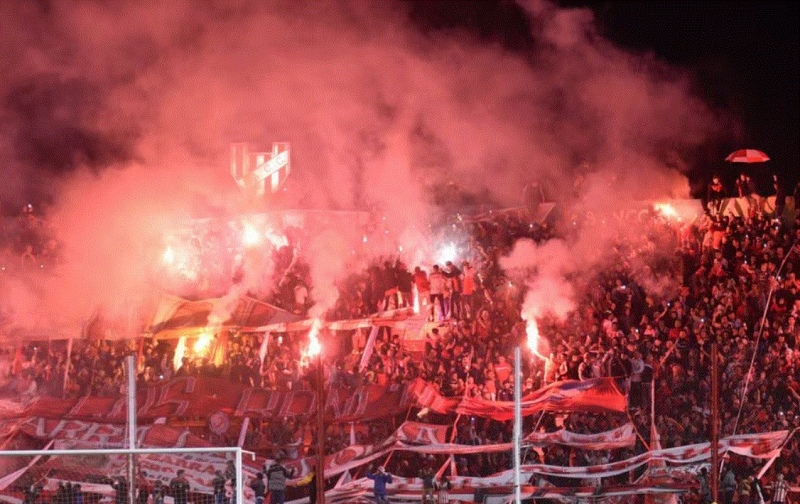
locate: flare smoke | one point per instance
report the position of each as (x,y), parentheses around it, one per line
(120,114)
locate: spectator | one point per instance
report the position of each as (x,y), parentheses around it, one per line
(158,492)
(77,494)
(423,286)
(143,490)
(728,486)
(745,187)
(258,487)
(120,486)
(230,475)
(438,285)
(312,487)
(218,487)
(444,487)
(715,195)
(780,196)
(405,282)
(381,479)
(716,287)
(33,493)
(455,285)
(179,487)
(705,488)
(469,287)
(276,481)
(745,488)
(780,490)
(428,484)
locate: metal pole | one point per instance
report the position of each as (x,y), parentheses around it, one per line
(714,483)
(131,368)
(517,424)
(243,431)
(239,477)
(320,471)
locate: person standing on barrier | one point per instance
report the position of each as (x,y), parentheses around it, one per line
(715,195)
(437,283)
(454,282)
(780,196)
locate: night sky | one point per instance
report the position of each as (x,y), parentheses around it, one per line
(744,56)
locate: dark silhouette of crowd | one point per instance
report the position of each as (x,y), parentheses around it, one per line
(646,316)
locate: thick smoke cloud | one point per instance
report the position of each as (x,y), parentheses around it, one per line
(544,270)
(121,114)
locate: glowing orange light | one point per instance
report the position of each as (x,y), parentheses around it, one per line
(314,345)
(250,235)
(532,331)
(277,240)
(180,349)
(448,252)
(667,210)
(202,344)
(169,255)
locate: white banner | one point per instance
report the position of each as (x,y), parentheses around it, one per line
(620,437)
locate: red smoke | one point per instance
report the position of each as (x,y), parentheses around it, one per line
(379,115)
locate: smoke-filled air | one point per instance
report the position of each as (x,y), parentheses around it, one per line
(118,118)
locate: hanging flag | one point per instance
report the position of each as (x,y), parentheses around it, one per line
(257,171)
(595,395)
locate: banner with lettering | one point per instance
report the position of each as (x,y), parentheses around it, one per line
(410,436)
(106,435)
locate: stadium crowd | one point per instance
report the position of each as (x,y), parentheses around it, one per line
(647,318)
